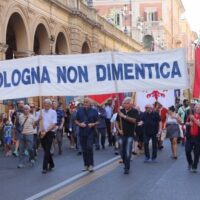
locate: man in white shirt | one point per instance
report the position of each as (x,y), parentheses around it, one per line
(109,112)
(47,128)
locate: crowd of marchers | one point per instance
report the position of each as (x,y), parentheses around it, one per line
(89,126)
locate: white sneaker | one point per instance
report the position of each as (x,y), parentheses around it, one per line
(20,166)
(90,168)
(86,168)
(32,162)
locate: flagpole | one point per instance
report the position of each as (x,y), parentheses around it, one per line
(117,91)
(196,83)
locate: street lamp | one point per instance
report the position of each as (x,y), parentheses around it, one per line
(125,9)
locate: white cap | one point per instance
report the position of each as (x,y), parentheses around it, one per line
(76,103)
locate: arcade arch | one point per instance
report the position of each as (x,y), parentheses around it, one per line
(85,48)
(41,45)
(16,36)
(61,46)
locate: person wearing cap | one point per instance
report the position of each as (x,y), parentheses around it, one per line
(152,129)
(87,119)
(126,124)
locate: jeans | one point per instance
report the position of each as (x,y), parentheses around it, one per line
(78,142)
(59,137)
(127,142)
(102,132)
(35,143)
(192,145)
(108,127)
(147,138)
(26,142)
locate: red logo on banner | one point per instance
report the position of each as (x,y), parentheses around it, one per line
(155,94)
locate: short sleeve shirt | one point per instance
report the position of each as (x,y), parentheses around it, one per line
(151,122)
(87,116)
(49,118)
(128,127)
(60,116)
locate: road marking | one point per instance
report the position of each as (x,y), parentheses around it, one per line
(72,179)
(81,182)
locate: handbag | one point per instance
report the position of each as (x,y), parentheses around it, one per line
(20,128)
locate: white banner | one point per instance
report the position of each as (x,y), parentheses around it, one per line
(88,74)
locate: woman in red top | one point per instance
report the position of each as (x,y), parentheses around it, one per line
(193,139)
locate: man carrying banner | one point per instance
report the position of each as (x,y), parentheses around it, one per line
(87,119)
(126,124)
(193,139)
(47,129)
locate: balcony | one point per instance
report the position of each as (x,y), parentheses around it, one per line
(152,24)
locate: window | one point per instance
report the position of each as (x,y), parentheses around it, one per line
(118,19)
(150,14)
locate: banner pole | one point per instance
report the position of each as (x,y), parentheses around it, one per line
(117,91)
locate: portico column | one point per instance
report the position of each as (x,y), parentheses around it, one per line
(3,49)
(23,54)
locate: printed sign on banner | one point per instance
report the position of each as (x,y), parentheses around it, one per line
(92,74)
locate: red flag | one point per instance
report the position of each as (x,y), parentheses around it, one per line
(101,99)
(196,88)
(116,98)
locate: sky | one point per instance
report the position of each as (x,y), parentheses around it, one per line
(192,14)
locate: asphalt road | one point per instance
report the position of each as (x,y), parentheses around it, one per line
(165,180)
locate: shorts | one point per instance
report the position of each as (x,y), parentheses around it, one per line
(7,140)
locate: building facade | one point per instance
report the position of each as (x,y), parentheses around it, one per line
(56,26)
(41,27)
(157,24)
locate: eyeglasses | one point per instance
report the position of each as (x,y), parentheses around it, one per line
(32,106)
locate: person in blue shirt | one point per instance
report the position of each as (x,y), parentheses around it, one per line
(8,128)
(59,125)
(87,119)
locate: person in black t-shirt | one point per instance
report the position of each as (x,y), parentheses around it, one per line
(152,127)
(126,122)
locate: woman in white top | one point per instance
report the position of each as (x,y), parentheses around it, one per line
(173,129)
